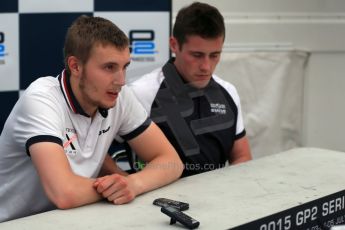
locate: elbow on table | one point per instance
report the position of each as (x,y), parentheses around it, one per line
(65,199)
(180,168)
(64,204)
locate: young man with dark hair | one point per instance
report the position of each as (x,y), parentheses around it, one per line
(199,112)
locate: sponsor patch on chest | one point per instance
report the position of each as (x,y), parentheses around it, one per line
(69,144)
(218,108)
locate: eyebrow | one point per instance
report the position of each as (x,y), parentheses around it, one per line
(117,64)
(200,52)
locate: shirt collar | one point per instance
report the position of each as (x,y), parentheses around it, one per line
(71,100)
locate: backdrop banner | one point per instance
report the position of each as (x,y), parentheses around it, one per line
(271,88)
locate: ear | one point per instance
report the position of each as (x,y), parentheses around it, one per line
(173,44)
(73,64)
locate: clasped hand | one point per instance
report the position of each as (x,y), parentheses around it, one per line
(116,188)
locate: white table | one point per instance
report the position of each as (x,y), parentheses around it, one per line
(219,199)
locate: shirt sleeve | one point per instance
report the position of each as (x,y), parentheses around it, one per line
(231,89)
(37,118)
(240,124)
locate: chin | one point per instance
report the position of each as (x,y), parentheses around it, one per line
(200,84)
(108,105)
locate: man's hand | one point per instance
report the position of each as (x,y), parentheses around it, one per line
(163,166)
(116,188)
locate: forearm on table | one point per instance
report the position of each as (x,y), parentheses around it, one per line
(157,173)
(77,191)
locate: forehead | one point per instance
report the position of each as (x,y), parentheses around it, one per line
(109,53)
(198,44)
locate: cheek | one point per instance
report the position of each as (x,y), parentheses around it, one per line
(190,64)
(101,84)
(214,63)
(94,85)
(189,60)
(98,80)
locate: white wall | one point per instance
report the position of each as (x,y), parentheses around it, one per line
(317,26)
(324,121)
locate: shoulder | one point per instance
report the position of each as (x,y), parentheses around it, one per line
(126,99)
(39,110)
(41,93)
(152,79)
(146,87)
(42,100)
(125,92)
(43,86)
(228,87)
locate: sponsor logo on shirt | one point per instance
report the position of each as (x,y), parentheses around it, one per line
(70,130)
(103,131)
(68,146)
(218,108)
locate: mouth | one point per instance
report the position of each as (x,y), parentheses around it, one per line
(202,77)
(113,94)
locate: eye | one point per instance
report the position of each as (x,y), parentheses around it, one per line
(197,55)
(214,55)
(110,67)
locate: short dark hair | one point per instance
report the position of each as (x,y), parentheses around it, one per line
(87,31)
(198,19)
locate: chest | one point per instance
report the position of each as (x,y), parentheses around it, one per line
(86,141)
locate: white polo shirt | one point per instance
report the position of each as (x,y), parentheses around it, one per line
(48,111)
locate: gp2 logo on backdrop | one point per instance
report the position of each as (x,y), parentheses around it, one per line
(2,46)
(142,42)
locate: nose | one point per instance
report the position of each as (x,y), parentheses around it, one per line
(205,64)
(120,78)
